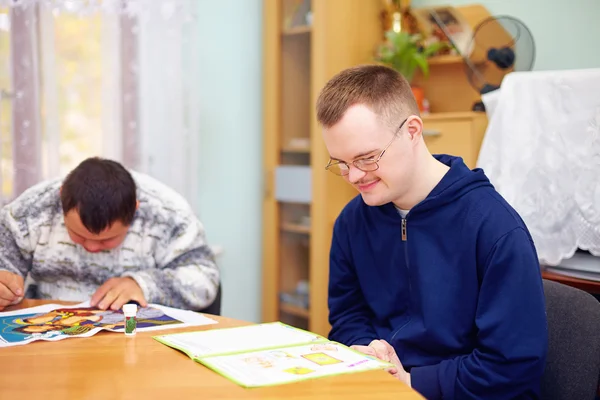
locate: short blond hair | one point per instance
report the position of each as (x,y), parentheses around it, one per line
(384,90)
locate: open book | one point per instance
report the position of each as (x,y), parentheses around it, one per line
(269,354)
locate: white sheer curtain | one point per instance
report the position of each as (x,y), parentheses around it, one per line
(111,78)
(167,94)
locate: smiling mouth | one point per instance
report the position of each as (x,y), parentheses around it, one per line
(365,187)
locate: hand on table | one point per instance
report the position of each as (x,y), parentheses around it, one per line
(117,291)
(11,289)
(384,351)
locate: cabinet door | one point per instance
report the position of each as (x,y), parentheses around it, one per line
(454,137)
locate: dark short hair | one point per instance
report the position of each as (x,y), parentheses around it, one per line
(102,191)
(384,90)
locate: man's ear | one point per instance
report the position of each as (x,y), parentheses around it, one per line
(137,204)
(415,127)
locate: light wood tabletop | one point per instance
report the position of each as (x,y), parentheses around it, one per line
(111,365)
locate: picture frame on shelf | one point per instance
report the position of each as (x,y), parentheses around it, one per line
(446,24)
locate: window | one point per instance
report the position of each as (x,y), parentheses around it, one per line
(6,169)
(110,79)
(60,93)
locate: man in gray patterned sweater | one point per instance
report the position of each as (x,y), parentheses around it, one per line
(106,235)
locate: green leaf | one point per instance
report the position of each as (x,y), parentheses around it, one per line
(399,40)
(421,61)
(385,54)
(404,53)
(406,64)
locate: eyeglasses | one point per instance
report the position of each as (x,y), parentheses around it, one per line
(364,164)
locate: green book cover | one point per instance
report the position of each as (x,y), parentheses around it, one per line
(269,354)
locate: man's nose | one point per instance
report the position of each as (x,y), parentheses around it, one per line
(355,174)
(91,246)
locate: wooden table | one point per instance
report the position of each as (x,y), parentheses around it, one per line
(110,365)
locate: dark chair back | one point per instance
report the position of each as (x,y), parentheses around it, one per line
(573,362)
(215,307)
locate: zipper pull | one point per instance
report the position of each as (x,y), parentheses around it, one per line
(404,229)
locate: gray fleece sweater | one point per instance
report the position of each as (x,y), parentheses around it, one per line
(165,249)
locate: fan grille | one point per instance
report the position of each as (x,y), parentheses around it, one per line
(512,45)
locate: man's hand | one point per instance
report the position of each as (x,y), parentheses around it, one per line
(384,351)
(117,291)
(398,372)
(11,289)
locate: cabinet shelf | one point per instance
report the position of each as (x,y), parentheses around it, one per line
(294,310)
(295,228)
(296,149)
(299,58)
(449,59)
(451,115)
(446,59)
(297,30)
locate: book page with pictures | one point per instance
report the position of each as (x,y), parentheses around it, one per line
(291,364)
(53,322)
(244,338)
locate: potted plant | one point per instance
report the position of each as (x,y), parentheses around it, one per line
(405,53)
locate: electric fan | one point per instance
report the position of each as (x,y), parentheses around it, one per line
(499,45)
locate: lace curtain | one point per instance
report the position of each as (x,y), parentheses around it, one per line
(542,152)
(110,78)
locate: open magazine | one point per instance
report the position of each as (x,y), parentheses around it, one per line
(55,322)
(269,354)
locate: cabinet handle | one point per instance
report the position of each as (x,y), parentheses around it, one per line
(431,132)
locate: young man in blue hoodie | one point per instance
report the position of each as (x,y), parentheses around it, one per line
(430,267)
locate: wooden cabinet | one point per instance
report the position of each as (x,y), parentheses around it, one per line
(455,133)
(451,127)
(302,51)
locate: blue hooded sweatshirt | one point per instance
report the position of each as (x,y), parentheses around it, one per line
(455,287)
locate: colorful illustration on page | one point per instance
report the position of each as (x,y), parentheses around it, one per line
(259,361)
(73,322)
(324,347)
(279,354)
(322,359)
(298,370)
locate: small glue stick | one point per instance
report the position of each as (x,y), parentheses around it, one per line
(130,311)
